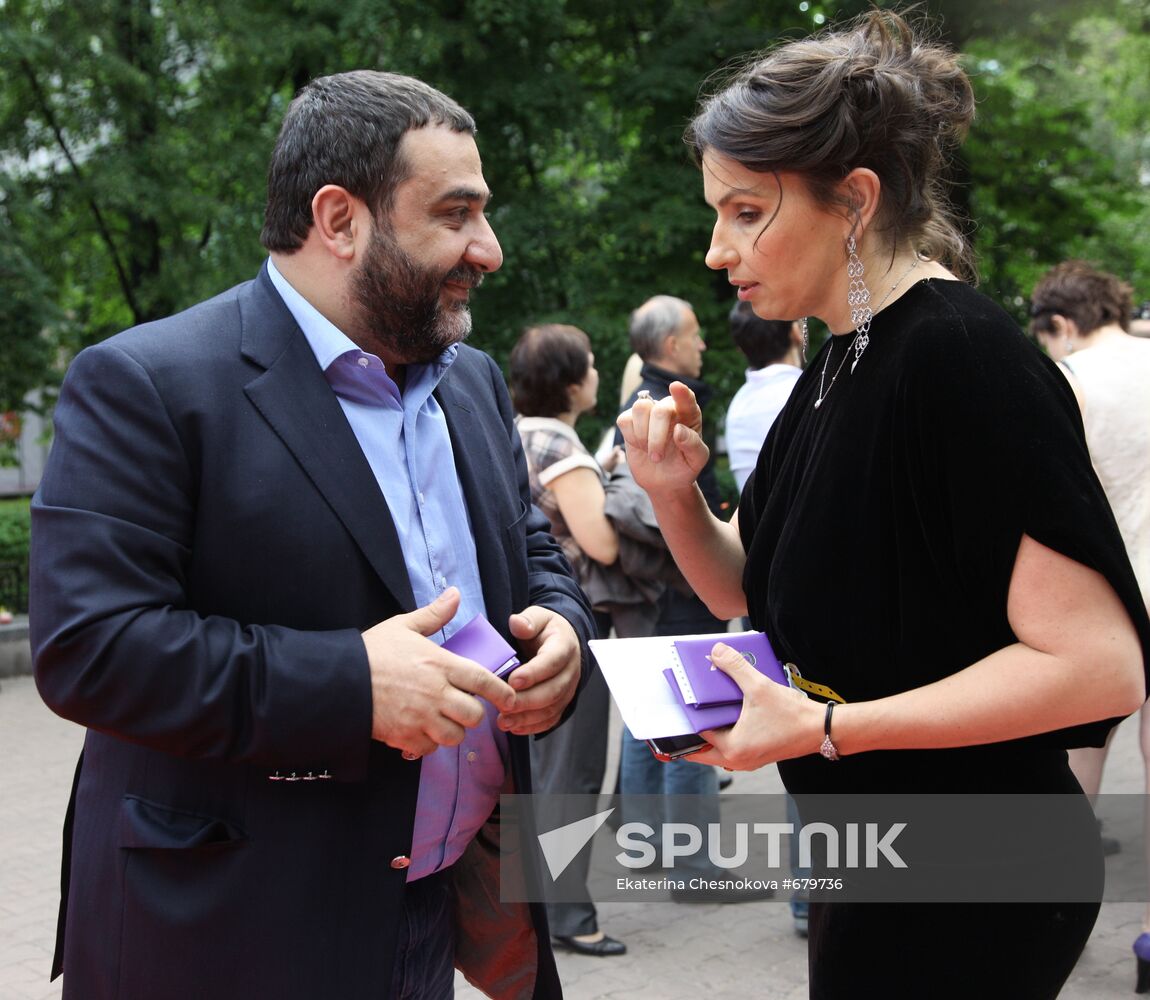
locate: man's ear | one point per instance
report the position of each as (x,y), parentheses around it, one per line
(337,218)
(862,190)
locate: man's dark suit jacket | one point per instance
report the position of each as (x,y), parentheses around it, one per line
(208,543)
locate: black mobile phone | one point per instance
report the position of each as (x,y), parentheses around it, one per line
(667,748)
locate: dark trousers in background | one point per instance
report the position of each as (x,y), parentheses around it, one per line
(571,760)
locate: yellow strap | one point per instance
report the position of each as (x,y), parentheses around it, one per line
(810,687)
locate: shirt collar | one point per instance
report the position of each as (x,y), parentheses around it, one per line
(325,339)
(328,342)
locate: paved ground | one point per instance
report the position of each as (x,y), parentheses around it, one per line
(676,952)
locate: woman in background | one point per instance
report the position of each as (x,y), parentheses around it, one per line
(1081,316)
(554,381)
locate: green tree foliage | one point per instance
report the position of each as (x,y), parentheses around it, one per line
(137,134)
(26,314)
(15,530)
(1059,159)
(134,137)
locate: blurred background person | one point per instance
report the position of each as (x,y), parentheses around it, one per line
(553,381)
(665,334)
(1140,320)
(632,376)
(1081,316)
(774,351)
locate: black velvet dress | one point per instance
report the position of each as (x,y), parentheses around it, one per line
(881,530)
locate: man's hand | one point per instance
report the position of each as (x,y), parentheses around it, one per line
(547,681)
(422,695)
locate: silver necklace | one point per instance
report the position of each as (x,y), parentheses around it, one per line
(862,331)
(823,373)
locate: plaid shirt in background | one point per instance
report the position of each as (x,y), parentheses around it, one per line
(553,448)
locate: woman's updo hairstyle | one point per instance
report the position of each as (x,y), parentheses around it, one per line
(871,95)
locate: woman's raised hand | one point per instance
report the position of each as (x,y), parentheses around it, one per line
(665,448)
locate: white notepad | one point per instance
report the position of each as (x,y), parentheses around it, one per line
(633,670)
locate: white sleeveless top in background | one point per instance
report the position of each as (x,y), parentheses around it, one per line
(1114,379)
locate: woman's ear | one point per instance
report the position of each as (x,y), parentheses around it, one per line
(862,191)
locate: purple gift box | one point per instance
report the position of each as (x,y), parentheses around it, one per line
(479,641)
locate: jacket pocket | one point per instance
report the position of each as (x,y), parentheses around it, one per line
(145,824)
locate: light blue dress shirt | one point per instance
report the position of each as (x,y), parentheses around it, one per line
(405,440)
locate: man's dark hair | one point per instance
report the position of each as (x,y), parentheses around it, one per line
(545,362)
(346,129)
(763,341)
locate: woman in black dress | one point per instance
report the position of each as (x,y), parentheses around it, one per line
(923,533)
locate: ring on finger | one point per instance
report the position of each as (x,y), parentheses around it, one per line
(643,394)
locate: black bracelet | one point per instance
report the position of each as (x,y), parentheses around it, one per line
(828,748)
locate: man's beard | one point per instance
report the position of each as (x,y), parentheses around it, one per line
(402,313)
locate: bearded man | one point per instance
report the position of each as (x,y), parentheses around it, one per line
(260,520)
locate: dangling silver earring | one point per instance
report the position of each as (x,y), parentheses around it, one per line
(858,298)
(803,325)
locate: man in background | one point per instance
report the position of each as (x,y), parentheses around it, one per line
(774,351)
(665,333)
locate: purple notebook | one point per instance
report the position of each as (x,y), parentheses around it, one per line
(479,641)
(711,717)
(715,699)
(702,685)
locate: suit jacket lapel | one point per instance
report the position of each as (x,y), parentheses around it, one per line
(296,400)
